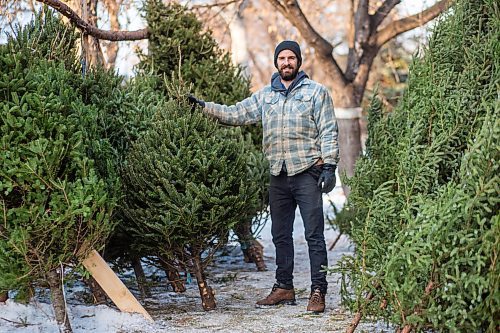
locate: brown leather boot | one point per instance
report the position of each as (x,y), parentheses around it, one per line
(278,296)
(316,302)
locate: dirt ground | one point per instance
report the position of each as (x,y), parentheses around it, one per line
(239,285)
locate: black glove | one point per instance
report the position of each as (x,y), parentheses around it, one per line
(195,101)
(326,181)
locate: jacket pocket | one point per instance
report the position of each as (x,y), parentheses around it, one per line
(271,103)
(303,104)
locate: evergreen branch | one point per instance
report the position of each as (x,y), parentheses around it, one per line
(359,315)
(38,176)
(4,210)
(428,289)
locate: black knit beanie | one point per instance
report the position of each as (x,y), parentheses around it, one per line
(288,45)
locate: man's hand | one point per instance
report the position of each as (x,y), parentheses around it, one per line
(195,101)
(326,181)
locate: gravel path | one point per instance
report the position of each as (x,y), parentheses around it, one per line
(238,286)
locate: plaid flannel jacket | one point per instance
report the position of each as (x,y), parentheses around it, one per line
(299,128)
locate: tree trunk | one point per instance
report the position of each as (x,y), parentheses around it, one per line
(350,147)
(253,250)
(232,15)
(140,278)
(173,276)
(112,47)
(175,280)
(348,114)
(91,47)
(4,296)
(206,292)
(58,302)
(98,293)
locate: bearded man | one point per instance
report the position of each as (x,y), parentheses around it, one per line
(300,142)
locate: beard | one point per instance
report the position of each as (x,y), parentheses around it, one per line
(290,76)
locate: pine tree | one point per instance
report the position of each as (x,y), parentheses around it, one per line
(424,203)
(55,206)
(186,188)
(125,111)
(180,50)
(182,54)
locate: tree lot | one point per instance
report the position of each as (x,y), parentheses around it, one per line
(74,138)
(369,29)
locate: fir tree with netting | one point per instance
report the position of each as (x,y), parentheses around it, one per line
(55,206)
(424,206)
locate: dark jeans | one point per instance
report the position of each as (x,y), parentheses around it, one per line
(285,193)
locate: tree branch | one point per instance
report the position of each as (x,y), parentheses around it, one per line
(362,32)
(291,10)
(350,29)
(408,23)
(216,4)
(361,22)
(382,12)
(92,30)
(277,4)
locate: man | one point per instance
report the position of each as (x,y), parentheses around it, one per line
(300,142)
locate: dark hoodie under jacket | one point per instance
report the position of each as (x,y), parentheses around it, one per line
(277,86)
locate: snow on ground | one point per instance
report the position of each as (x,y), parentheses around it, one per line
(237,285)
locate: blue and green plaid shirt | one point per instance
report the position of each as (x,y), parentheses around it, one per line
(299,123)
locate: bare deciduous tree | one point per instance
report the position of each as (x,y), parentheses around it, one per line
(113,7)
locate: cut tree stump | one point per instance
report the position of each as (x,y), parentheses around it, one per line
(112,285)
(58,301)
(173,275)
(206,292)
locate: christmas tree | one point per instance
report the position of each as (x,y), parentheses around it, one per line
(425,197)
(182,54)
(186,188)
(55,206)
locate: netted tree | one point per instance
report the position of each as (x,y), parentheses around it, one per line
(424,206)
(186,188)
(182,53)
(55,206)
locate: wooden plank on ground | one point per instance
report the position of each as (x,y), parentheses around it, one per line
(112,285)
